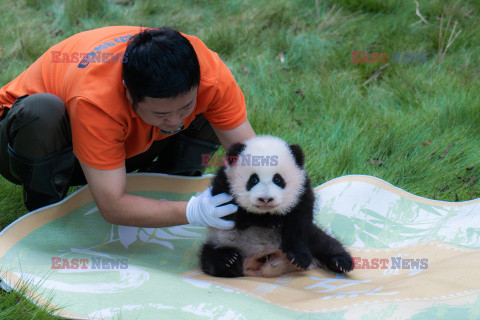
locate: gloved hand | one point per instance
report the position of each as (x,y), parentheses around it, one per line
(207,210)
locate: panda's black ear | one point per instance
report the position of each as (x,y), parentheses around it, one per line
(234,152)
(298,154)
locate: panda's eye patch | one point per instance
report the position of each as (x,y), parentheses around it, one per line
(252,181)
(278,180)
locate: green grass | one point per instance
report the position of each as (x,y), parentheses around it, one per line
(421,121)
(14,305)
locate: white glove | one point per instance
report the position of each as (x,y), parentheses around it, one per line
(207,210)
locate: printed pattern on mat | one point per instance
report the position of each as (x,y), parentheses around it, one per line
(414,260)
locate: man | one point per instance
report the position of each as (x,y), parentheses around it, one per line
(111,101)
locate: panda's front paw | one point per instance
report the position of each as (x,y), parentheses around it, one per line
(340,264)
(300,258)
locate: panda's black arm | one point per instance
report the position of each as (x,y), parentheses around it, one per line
(219,183)
(296,229)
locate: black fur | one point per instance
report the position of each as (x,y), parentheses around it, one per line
(298,154)
(278,180)
(234,152)
(221,261)
(243,218)
(252,181)
(302,240)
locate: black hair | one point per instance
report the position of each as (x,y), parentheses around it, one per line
(159,63)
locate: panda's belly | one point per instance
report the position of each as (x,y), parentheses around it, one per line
(252,241)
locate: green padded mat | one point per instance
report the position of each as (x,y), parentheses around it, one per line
(415,258)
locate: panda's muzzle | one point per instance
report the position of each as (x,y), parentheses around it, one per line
(265,200)
(265,203)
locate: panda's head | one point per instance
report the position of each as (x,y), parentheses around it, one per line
(265,174)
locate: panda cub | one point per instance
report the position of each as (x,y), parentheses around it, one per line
(274,229)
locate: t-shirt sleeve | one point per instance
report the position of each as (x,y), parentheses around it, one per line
(98,139)
(227,109)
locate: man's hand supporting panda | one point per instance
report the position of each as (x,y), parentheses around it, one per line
(207,210)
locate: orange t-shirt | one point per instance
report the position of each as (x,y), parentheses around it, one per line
(85,71)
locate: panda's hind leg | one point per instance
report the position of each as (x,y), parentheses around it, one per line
(329,251)
(224,262)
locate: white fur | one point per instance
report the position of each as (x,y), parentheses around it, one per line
(294,177)
(256,241)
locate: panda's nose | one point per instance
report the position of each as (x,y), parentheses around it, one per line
(265,200)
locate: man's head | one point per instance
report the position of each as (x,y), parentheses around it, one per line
(161,75)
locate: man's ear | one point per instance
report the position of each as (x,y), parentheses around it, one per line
(298,154)
(234,152)
(129,96)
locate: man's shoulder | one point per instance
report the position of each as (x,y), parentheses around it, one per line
(211,65)
(113,113)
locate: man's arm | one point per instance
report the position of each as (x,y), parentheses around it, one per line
(108,188)
(238,134)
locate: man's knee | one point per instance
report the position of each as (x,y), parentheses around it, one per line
(36,133)
(46,180)
(38,126)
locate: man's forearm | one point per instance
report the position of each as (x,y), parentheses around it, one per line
(132,210)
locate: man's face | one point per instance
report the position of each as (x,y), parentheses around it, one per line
(167,113)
